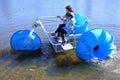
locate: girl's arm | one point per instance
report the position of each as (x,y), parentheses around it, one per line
(62,18)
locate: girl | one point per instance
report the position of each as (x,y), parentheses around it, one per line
(67,27)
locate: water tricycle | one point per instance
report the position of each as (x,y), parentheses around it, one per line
(97,43)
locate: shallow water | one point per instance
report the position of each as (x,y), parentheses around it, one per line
(20,14)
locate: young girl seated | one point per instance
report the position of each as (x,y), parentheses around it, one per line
(67,27)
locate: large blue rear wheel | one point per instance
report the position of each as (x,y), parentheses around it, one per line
(96,43)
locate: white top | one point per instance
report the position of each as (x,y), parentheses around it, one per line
(70,23)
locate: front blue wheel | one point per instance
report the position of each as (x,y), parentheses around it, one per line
(18,40)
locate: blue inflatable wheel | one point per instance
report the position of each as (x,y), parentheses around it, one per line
(95,43)
(18,40)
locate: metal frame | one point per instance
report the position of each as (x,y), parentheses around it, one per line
(58,47)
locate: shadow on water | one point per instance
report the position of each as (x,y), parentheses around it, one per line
(82,71)
(62,70)
(85,71)
(27,54)
(46,65)
(16,58)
